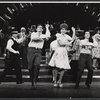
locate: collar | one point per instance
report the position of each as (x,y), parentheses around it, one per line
(87,40)
(14,38)
(39,33)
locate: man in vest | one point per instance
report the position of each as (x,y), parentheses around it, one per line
(14,57)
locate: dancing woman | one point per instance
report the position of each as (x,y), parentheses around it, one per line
(60,57)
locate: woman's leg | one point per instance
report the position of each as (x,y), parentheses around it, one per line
(54,74)
(61,76)
(55,77)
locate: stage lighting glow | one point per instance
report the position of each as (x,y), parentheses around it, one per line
(98,14)
(9,10)
(77,4)
(6,16)
(2,18)
(15,7)
(92,13)
(30,4)
(21,5)
(99,20)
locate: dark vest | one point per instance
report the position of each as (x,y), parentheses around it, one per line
(15,46)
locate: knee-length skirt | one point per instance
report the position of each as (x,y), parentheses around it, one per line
(60,59)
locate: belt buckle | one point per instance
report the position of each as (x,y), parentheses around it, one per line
(36,48)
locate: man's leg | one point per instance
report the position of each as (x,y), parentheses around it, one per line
(90,71)
(36,66)
(74,67)
(24,56)
(82,60)
(7,69)
(30,59)
(17,65)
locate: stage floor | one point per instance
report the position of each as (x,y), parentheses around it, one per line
(46,90)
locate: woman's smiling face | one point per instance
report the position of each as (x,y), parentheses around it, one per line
(63,31)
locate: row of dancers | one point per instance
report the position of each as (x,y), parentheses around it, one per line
(59,61)
(84,54)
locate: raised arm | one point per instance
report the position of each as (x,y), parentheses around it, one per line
(47,34)
(73,36)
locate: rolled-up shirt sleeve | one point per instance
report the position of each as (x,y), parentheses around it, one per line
(46,35)
(35,37)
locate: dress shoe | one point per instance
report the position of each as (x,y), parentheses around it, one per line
(20,82)
(52,81)
(88,85)
(76,87)
(73,81)
(55,85)
(34,85)
(60,85)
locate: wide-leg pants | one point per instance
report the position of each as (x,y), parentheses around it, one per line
(85,59)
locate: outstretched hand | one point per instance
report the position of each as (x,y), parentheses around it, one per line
(73,29)
(17,52)
(47,25)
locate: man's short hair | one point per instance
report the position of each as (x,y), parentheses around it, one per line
(39,25)
(96,29)
(87,32)
(22,29)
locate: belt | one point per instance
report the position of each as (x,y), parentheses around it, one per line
(85,54)
(36,48)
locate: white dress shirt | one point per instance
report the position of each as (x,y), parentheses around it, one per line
(86,46)
(37,40)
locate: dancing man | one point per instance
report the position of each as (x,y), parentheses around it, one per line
(34,52)
(85,59)
(13,49)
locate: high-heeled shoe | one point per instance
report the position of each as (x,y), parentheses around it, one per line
(60,84)
(55,84)
(53,81)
